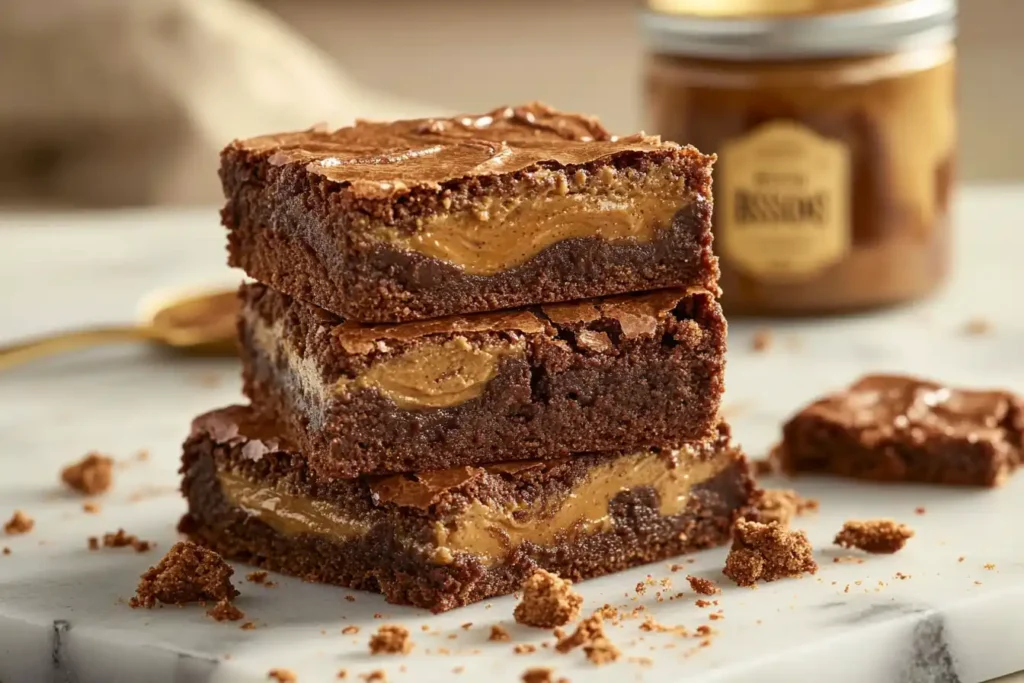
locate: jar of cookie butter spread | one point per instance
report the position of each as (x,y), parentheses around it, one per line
(834,125)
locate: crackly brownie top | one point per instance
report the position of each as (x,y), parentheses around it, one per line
(882,407)
(378,160)
(637,315)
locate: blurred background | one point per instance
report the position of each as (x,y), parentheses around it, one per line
(127,102)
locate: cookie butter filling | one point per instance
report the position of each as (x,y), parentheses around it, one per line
(491,532)
(499,233)
(436,375)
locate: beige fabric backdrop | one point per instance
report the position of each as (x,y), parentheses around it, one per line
(122,102)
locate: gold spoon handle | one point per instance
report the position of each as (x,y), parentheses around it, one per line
(23,352)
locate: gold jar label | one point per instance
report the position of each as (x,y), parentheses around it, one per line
(783,206)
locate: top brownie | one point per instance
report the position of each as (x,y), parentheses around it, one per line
(392,222)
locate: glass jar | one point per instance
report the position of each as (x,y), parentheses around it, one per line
(835,128)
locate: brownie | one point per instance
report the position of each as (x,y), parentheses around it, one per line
(391,222)
(533,383)
(448,538)
(896,428)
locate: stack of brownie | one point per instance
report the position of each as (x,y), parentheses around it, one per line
(477,346)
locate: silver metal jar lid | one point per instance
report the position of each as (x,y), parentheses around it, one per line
(874,30)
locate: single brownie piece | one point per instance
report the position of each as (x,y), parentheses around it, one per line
(448,538)
(594,375)
(895,428)
(391,222)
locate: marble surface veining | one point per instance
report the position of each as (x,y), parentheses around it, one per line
(957,617)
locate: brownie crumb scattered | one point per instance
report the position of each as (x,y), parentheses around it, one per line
(282,675)
(6,550)
(703,603)
(187,573)
(499,634)
(588,631)
(375,676)
(350,630)
(703,586)
(602,651)
(343,673)
(763,339)
(19,523)
(548,601)
(248,626)
(392,640)
(881,536)
(120,539)
(538,675)
(225,611)
(782,505)
(256,577)
(977,326)
(93,474)
(524,649)
(767,552)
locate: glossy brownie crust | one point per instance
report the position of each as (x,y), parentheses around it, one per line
(633,376)
(897,428)
(382,562)
(308,234)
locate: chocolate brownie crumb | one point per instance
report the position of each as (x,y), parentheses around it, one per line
(91,508)
(343,673)
(225,611)
(350,630)
(548,601)
(91,475)
(375,676)
(703,586)
(703,603)
(282,675)
(248,626)
(919,511)
(602,651)
(468,625)
(499,634)
(524,649)
(538,675)
(121,539)
(882,536)
(763,339)
(589,630)
(392,640)
(782,505)
(977,326)
(94,543)
(766,552)
(19,523)
(187,573)
(6,550)
(256,577)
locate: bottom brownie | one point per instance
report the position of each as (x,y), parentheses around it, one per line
(448,538)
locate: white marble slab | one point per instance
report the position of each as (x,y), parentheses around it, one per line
(63,615)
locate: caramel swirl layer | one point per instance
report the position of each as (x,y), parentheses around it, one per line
(502,233)
(491,532)
(436,375)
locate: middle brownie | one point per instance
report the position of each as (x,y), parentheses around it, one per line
(593,375)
